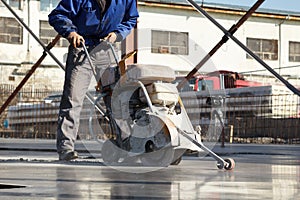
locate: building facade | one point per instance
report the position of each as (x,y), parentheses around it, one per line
(168,32)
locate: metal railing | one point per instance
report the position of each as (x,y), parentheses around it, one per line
(269,118)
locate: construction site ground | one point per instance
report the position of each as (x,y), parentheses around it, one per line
(29,169)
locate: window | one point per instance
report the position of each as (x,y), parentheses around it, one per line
(47,34)
(205,85)
(167,42)
(294,51)
(12,3)
(264,48)
(48,5)
(10,31)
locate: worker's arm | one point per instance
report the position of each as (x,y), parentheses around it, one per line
(128,22)
(61,17)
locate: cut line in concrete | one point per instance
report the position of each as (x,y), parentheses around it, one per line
(9,186)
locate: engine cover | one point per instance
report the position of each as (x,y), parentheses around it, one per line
(161,93)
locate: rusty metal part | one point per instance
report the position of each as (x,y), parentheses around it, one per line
(224,39)
(28,75)
(122,62)
(245,48)
(129,44)
(32,34)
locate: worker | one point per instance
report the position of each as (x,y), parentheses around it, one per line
(90,22)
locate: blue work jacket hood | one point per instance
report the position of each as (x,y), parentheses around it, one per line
(84,17)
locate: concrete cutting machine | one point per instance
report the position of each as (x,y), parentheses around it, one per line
(148,118)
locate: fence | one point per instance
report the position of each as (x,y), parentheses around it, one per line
(250,119)
(266,118)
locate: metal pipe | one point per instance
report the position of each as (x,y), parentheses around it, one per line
(28,22)
(280,42)
(246,49)
(28,75)
(221,162)
(148,99)
(90,60)
(231,31)
(33,35)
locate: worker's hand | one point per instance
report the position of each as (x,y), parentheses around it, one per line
(75,39)
(111,37)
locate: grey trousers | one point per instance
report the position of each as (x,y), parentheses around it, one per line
(78,76)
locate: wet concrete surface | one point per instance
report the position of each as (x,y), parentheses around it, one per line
(261,172)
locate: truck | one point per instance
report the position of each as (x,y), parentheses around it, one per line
(217,80)
(243,97)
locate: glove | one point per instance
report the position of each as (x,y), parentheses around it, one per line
(75,39)
(111,37)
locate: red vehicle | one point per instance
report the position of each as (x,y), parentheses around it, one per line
(217,80)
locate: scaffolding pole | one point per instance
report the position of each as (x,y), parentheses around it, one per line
(246,49)
(224,39)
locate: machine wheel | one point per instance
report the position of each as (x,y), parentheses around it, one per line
(159,158)
(231,164)
(110,152)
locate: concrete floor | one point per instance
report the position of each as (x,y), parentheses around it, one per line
(37,174)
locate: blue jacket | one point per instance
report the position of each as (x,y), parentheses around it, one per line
(84,17)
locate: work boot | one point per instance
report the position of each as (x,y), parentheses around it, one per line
(68,155)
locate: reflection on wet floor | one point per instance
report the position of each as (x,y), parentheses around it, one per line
(192,179)
(285,181)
